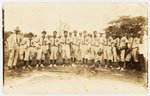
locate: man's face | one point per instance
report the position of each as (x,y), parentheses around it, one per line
(66,34)
(43,34)
(35,36)
(85,34)
(17,32)
(80,34)
(30,36)
(54,33)
(70,34)
(75,33)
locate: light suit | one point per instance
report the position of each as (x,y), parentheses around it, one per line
(13,45)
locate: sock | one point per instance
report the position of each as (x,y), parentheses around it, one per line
(37,62)
(42,61)
(83,60)
(63,61)
(86,61)
(75,60)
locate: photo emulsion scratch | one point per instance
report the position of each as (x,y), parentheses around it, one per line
(75,48)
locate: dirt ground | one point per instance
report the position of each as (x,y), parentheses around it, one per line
(75,79)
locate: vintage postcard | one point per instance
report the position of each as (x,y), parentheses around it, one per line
(75,47)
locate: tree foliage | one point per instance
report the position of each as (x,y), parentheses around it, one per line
(127,24)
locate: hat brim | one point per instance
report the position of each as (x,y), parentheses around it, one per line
(17,30)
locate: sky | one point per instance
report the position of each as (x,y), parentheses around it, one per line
(36,17)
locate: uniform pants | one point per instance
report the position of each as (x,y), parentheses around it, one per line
(135,54)
(122,55)
(13,56)
(75,51)
(105,52)
(85,53)
(109,52)
(54,51)
(66,51)
(21,52)
(94,51)
(29,53)
(115,56)
(41,53)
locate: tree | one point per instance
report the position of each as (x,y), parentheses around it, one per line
(7,34)
(127,24)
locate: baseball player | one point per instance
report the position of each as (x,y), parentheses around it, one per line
(115,45)
(105,53)
(95,46)
(75,47)
(123,42)
(135,51)
(23,47)
(110,51)
(29,53)
(80,40)
(13,46)
(42,49)
(65,43)
(54,44)
(85,49)
(129,52)
(100,51)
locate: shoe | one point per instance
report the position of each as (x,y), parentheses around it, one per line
(99,66)
(9,68)
(63,65)
(29,66)
(93,71)
(122,69)
(83,65)
(86,66)
(37,66)
(24,67)
(111,67)
(50,65)
(41,65)
(105,66)
(118,68)
(55,65)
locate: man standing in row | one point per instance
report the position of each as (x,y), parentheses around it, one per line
(42,50)
(13,46)
(75,47)
(54,44)
(65,43)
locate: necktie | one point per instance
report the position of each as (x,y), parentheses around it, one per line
(17,39)
(30,42)
(84,39)
(54,41)
(42,40)
(65,39)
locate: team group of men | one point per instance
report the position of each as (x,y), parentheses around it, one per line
(72,47)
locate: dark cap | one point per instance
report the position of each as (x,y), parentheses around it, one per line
(30,34)
(43,32)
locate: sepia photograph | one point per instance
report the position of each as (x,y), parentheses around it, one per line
(76,47)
